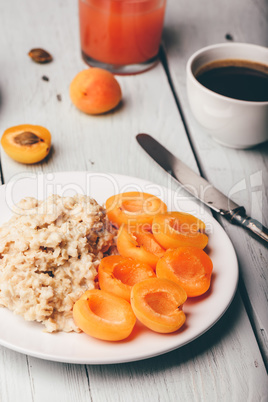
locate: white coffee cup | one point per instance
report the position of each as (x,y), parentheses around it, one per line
(231,122)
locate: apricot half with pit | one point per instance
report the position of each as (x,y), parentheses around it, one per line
(157,303)
(95,91)
(103,315)
(26,143)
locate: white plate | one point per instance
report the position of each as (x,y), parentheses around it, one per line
(202,313)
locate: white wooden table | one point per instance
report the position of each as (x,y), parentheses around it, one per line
(229,361)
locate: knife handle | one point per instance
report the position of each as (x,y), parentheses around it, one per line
(238,216)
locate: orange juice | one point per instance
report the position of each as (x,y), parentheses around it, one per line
(121,32)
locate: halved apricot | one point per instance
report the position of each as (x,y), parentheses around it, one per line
(118,274)
(26,143)
(103,315)
(176,229)
(139,244)
(189,267)
(95,91)
(133,208)
(157,303)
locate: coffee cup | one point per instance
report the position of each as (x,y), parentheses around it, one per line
(237,123)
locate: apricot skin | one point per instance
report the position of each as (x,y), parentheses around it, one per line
(104,316)
(157,303)
(31,153)
(95,91)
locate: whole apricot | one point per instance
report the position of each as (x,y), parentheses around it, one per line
(95,91)
(26,143)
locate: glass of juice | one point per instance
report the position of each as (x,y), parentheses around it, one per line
(122,36)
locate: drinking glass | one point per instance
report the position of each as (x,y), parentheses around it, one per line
(122,36)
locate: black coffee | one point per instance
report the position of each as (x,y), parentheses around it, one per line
(237,79)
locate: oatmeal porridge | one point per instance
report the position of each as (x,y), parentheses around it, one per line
(49,254)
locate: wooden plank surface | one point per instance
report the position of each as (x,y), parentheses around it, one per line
(223,364)
(240,174)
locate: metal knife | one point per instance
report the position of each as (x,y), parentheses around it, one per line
(199,187)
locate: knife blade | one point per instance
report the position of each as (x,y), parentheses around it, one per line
(199,187)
